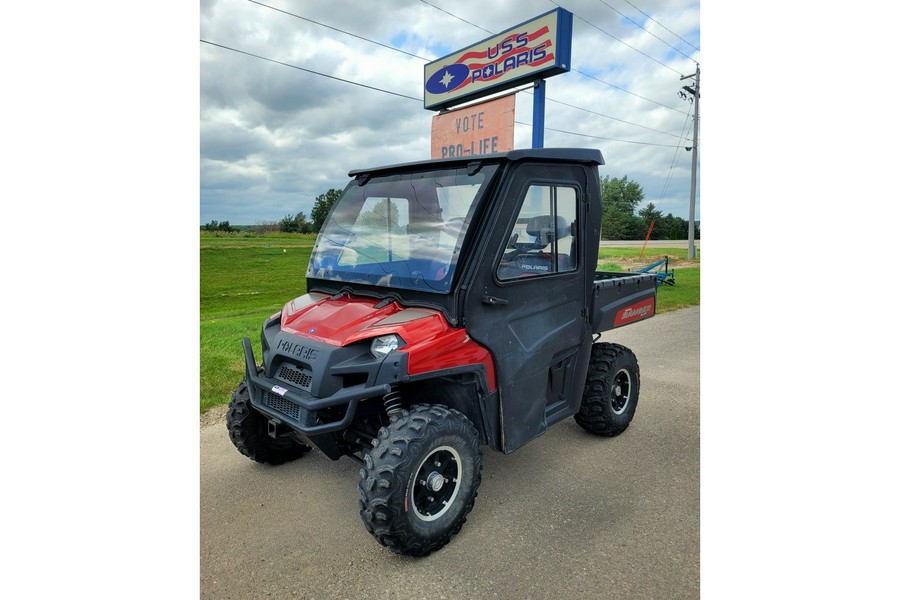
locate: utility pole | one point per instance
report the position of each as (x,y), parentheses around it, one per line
(696,93)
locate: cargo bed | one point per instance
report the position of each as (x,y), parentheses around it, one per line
(620,299)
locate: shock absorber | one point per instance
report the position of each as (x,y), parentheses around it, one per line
(393,404)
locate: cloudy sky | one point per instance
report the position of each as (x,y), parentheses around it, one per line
(103,119)
(274,135)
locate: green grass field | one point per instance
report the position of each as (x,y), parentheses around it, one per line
(245,279)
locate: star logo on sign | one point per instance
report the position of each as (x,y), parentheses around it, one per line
(447,78)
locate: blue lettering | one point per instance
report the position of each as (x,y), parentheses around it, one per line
(452,151)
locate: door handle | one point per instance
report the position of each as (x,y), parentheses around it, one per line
(493,301)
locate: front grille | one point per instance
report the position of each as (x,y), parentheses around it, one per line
(294,375)
(282,405)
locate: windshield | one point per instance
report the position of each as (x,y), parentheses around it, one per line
(399,231)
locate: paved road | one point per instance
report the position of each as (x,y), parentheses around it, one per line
(650,243)
(568,515)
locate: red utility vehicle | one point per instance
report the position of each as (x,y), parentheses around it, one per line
(451,304)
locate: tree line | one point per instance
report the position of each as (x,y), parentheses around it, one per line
(298,223)
(321,207)
(621,218)
(216,226)
(623,221)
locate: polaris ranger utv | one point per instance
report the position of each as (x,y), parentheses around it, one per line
(451,304)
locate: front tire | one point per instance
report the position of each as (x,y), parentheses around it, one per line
(611,390)
(248,430)
(420,479)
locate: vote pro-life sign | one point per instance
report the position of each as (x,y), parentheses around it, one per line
(483,128)
(535,49)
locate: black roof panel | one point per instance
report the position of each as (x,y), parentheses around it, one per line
(583,155)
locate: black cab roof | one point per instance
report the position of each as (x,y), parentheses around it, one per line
(579,155)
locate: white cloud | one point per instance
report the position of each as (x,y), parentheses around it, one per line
(273,137)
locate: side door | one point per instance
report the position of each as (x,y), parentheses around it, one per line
(527,300)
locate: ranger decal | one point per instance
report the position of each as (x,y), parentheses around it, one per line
(635,312)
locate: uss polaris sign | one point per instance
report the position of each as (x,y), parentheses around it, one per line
(536,49)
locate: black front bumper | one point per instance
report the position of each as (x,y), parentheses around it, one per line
(298,409)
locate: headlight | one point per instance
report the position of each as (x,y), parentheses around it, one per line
(384,345)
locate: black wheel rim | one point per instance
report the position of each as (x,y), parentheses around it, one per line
(620,394)
(436,483)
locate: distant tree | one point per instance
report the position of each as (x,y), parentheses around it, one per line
(626,194)
(619,223)
(378,215)
(673,228)
(303,226)
(216,226)
(650,215)
(322,207)
(620,199)
(287,224)
(265,226)
(294,224)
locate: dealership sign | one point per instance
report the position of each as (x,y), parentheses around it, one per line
(533,50)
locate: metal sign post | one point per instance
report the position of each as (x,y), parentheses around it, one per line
(537,119)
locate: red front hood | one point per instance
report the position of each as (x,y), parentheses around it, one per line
(350,319)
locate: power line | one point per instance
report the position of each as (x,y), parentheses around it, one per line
(421,99)
(597,137)
(311,71)
(613,118)
(627,92)
(426,59)
(661,25)
(622,42)
(647,30)
(455,16)
(675,157)
(341,31)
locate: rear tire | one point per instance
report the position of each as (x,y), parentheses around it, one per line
(611,390)
(248,430)
(420,479)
